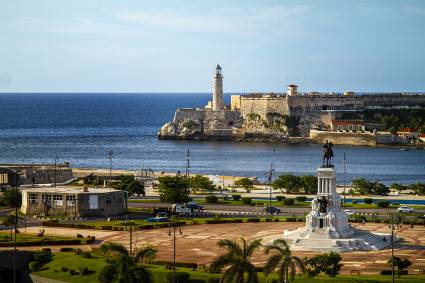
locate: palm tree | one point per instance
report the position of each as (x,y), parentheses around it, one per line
(237,261)
(124,265)
(282,261)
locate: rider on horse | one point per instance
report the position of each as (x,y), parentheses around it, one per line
(328,153)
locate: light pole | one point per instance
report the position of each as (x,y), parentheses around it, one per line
(392,246)
(56,161)
(110,157)
(345,179)
(188,164)
(16,203)
(269,179)
(173,225)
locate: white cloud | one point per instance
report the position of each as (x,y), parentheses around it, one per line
(241,22)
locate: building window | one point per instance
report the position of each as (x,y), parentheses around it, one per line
(70,200)
(57,200)
(47,199)
(32,199)
(108,199)
(118,199)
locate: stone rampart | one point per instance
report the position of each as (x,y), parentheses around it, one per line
(343,138)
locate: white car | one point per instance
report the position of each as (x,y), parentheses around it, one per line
(349,212)
(405,209)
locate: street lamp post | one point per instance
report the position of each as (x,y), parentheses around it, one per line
(392,246)
(269,179)
(173,225)
(56,161)
(110,157)
(188,164)
(16,223)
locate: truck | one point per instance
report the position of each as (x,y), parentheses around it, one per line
(181,209)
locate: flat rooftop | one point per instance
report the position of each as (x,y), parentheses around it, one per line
(68,190)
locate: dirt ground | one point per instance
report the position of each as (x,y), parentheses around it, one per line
(198,243)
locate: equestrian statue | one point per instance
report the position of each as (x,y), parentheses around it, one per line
(328,153)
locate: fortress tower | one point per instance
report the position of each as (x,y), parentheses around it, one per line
(292,90)
(217,102)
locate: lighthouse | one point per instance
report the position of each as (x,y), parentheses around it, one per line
(217,102)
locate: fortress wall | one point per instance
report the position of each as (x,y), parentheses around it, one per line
(394,100)
(263,105)
(300,105)
(188,113)
(343,138)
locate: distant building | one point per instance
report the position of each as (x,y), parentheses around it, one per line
(73,201)
(421,137)
(407,133)
(348,125)
(292,90)
(348,120)
(8,178)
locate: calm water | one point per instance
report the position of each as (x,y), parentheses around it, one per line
(81,128)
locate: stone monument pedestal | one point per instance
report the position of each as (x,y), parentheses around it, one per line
(327,227)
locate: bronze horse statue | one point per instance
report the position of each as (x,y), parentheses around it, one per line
(328,153)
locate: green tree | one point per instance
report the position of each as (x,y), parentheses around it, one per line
(291,123)
(309,184)
(282,261)
(201,183)
(418,188)
(174,189)
(12,198)
(328,263)
(245,183)
(289,182)
(365,187)
(10,221)
(390,123)
(125,266)
(237,261)
(130,184)
(400,264)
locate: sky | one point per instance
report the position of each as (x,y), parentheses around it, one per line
(174,46)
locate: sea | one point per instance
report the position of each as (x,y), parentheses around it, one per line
(82,128)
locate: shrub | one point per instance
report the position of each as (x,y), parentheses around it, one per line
(84,270)
(90,240)
(78,251)
(253,220)
(64,269)
(86,254)
(301,198)
(368,200)
(66,249)
(213,280)
(35,266)
(280,198)
(211,199)
(42,257)
(73,272)
(276,220)
(178,264)
(383,204)
(236,197)
(354,202)
(246,200)
(289,201)
(181,277)
(79,236)
(291,219)
(46,250)
(386,272)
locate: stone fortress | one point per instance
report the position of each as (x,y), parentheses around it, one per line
(271,116)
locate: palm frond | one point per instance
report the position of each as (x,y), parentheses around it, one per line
(230,274)
(109,273)
(272,264)
(140,274)
(251,247)
(231,246)
(145,253)
(115,248)
(222,261)
(292,270)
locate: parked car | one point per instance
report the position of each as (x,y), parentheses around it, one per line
(421,217)
(162,214)
(272,210)
(158,219)
(405,209)
(349,212)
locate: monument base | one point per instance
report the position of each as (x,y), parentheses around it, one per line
(328,239)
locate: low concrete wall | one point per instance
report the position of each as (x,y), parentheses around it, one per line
(343,138)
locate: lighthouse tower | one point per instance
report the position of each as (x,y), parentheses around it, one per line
(217,103)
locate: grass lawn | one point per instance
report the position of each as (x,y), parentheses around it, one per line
(24,237)
(72,261)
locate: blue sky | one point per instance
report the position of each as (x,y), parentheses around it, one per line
(173,46)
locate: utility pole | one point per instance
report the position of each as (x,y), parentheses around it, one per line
(56,161)
(269,180)
(188,164)
(173,225)
(392,245)
(110,157)
(16,223)
(345,179)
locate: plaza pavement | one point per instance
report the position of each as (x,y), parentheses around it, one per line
(197,243)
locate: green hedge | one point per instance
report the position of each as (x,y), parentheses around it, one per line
(178,264)
(236,197)
(211,199)
(280,198)
(289,201)
(253,220)
(246,200)
(221,221)
(42,243)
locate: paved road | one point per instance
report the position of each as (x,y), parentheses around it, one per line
(245,208)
